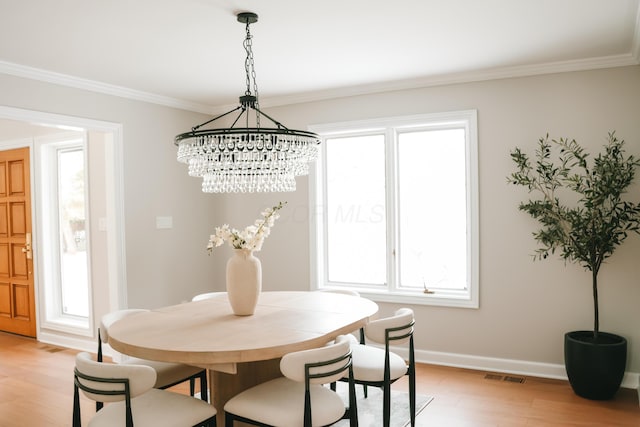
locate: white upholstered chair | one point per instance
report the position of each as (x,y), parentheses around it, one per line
(207,295)
(299,398)
(167,374)
(340,291)
(346,292)
(374,366)
(132,398)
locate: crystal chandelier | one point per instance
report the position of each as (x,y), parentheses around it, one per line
(247,159)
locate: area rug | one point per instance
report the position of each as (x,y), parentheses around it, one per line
(370,409)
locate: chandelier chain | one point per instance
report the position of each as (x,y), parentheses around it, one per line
(250,70)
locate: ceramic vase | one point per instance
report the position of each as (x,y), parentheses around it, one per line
(244,282)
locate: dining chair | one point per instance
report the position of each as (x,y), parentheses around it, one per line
(207,295)
(167,374)
(299,397)
(346,292)
(132,398)
(377,367)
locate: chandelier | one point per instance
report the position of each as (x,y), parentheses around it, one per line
(247,159)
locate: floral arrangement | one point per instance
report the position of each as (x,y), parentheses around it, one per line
(252,237)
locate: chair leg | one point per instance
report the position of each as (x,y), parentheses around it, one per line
(353,404)
(386,405)
(204,387)
(412,395)
(412,383)
(76,408)
(228,420)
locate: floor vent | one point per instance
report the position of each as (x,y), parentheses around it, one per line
(51,349)
(511,379)
(493,377)
(508,378)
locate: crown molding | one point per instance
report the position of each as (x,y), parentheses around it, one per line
(458,78)
(632,58)
(99,87)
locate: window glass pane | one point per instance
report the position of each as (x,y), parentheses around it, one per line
(355,209)
(73,253)
(432,209)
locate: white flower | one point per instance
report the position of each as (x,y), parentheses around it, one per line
(252,237)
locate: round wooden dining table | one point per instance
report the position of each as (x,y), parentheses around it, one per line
(240,351)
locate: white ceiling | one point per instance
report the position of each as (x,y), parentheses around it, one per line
(188,53)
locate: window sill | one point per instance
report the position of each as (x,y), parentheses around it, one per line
(413,298)
(68,325)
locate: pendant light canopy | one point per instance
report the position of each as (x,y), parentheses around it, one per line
(250,158)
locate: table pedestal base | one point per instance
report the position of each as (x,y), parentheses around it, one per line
(224,386)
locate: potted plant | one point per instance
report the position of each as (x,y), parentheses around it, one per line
(584,217)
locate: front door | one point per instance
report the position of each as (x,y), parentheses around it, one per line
(17,297)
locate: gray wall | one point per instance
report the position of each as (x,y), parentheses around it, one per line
(525,307)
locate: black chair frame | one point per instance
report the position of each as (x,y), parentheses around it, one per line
(202,376)
(350,413)
(385,384)
(78,385)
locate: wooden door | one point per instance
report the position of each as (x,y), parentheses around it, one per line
(17,296)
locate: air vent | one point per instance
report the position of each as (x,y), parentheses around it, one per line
(508,378)
(51,349)
(511,379)
(493,377)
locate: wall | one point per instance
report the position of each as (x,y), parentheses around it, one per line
(525,307)
(164,266)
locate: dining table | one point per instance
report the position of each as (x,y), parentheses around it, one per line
(240,351)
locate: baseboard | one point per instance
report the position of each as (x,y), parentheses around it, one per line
(74,342)
(78,343)
(520,367)
(631,380)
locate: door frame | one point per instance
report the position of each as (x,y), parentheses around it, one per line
(115,215)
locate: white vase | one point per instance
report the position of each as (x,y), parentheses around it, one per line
(244,281)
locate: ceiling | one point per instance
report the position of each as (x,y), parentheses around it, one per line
(189,54)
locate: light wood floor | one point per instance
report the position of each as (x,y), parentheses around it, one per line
(36,389)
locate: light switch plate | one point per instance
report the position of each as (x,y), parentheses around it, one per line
(164,222)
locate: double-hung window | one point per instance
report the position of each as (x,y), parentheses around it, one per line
(396,209)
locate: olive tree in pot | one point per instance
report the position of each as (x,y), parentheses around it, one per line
(585,227)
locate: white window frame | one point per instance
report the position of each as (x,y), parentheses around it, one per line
(467,119)
(54,316)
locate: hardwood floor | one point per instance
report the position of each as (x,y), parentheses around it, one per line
(36,389)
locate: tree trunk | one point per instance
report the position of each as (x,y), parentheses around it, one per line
(596,317)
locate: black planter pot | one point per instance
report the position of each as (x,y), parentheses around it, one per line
(595,369)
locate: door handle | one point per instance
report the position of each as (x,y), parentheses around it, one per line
(27,246)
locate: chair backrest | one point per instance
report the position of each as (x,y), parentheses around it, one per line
(346,292)
(207,295)
(110,318)
(110,382)
(398,327)
(106,382)
(322,365)
(319,365)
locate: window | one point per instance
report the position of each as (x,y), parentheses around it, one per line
(397,208)
(65,233)
(72,244)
